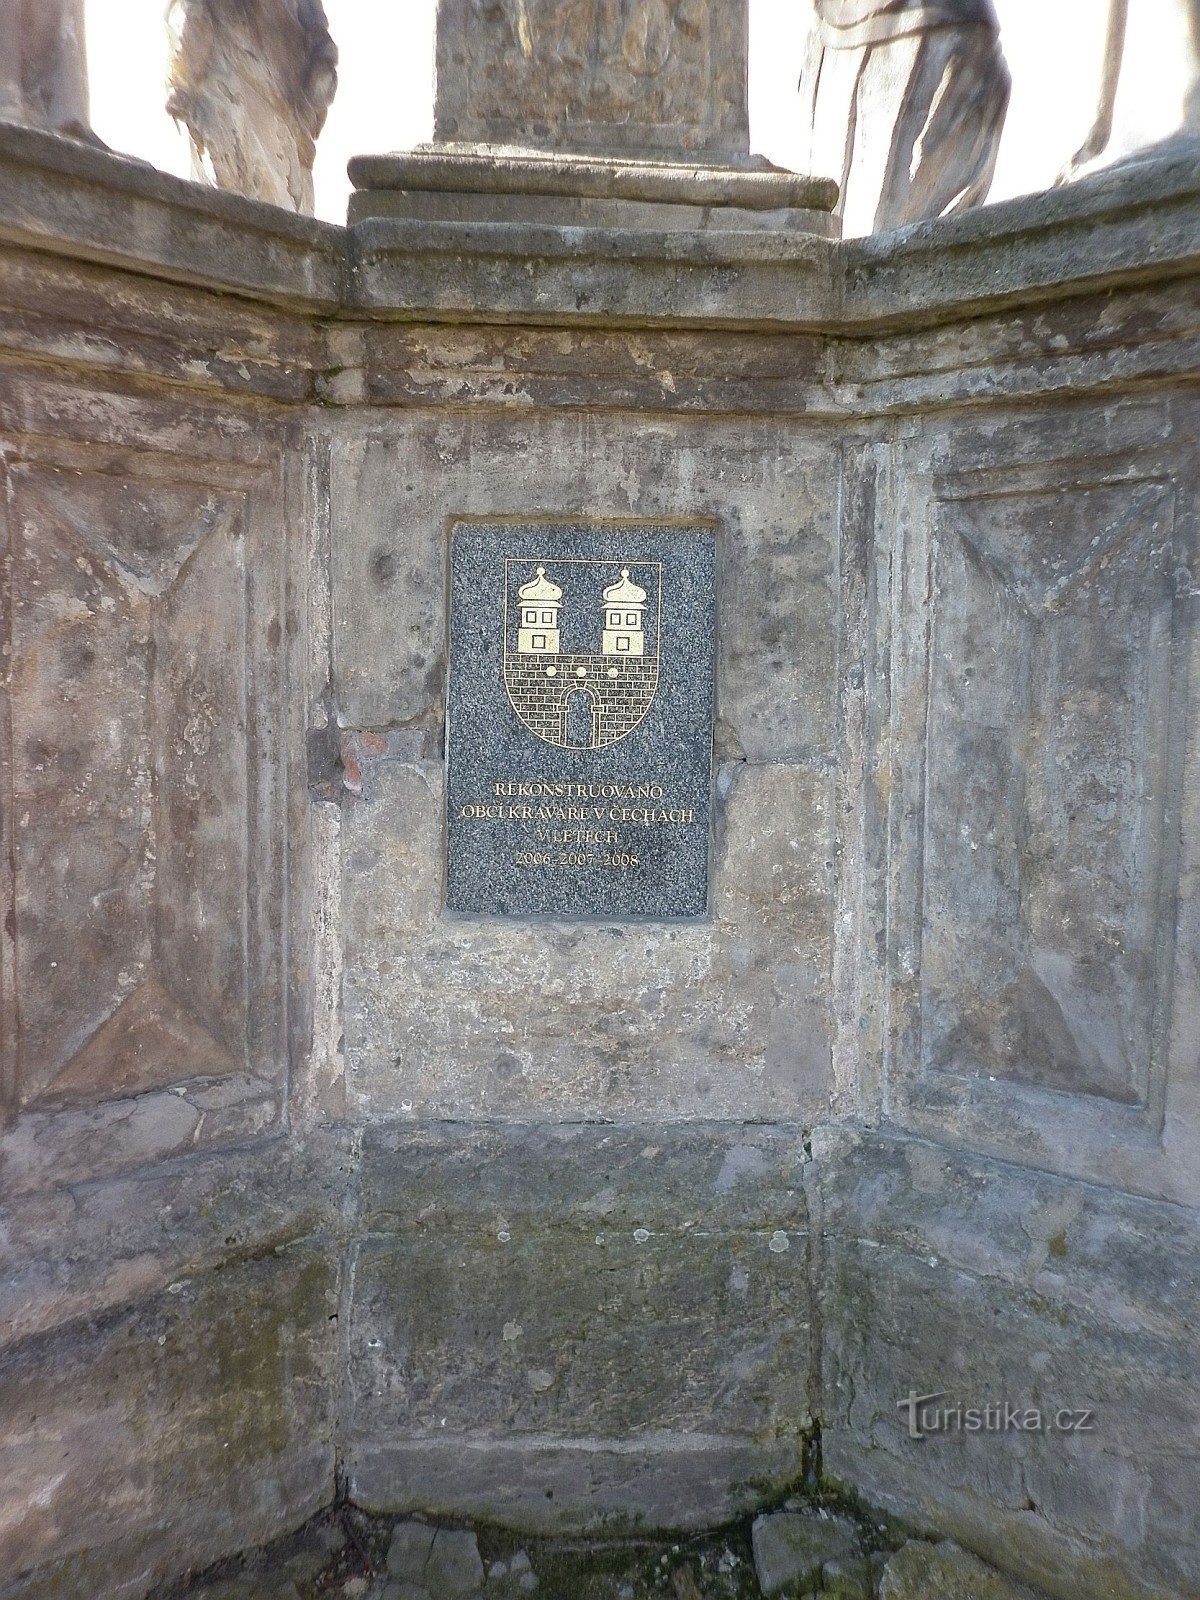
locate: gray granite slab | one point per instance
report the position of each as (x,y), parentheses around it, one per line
(579,720)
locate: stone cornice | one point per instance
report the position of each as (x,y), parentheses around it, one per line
(874,323)
(72,200)
(503,272)
(1134,224)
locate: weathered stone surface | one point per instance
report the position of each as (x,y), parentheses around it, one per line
(544,1485)
(677,372)
(453,1568)
(979,1284)
(904,104)
(191,1424)
(944,1572)
(636,76)
(1030,995)
(1062,1091)
(849,1578)
(741,985)
(482,185)
(792,1547)
(408,1550)
(858,420)
(764,482)
(582,1339)
(660,1006)
(582,1294)
(92,206)
(472,173)
(75,202)
(252,83)
(145,849)
(43,66)
(1031,249)
(45,1150)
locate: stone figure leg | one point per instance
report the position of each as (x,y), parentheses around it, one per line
(252,82)
(880,81)
(12,78)
(43,65)
(1099,135)
(910,126)
(1101,130)
(947,135)
(828,87)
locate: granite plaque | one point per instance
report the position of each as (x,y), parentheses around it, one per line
(579,720)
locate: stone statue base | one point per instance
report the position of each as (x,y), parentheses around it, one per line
(504,184)
(606,114)
(1179,147)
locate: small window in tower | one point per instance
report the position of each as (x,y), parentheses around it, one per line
(539,641)
(614,619)
(622,643)
(547,616)
(530,616)
(631,619)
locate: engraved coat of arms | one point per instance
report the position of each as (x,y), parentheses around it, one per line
(581,648)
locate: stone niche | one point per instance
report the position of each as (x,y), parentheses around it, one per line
(1037,982)
(141,1010)
(315,1184)
(129,780)
(1047,970)
(140,932)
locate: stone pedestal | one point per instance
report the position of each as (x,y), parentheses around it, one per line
(573,113)
(312,1185)
(461,183)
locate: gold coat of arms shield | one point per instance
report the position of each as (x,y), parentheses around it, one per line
(581,647)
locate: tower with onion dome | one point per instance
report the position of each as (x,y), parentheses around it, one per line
(624,604)
(538,633)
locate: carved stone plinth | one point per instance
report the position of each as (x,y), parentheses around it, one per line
(612,114)
(634,77)
(462,183)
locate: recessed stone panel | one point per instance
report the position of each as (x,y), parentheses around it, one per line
(128,782)
(1049,787)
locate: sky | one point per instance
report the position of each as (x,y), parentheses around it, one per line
(385,93)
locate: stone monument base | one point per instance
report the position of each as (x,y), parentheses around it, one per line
(569,1225)
(489,183)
